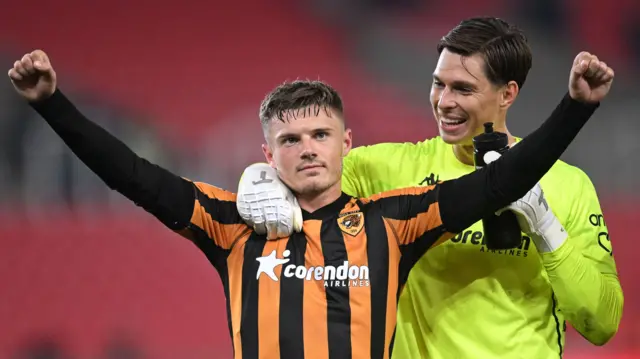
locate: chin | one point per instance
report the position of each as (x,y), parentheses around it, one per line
(311,190)
(464,136)
(453,139)
(314,186)
(310,187)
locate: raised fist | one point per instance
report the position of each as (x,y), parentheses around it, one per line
(33,77)
(590,79)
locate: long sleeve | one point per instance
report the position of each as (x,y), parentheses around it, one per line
(591,301)
(165,195)
(465,200)
(582,271)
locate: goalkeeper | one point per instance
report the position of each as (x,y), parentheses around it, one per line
(462,300)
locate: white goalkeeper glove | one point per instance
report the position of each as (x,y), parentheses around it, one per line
(266,204)
(538,221)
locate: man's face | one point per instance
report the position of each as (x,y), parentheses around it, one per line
(307,150)
(463,99)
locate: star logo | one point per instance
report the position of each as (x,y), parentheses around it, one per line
(269,263)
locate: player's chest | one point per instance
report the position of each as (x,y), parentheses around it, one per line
(320,258)
(472,242)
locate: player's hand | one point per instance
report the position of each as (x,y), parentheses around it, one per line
(33,77)
(538,221)
(590,79)
(266,204)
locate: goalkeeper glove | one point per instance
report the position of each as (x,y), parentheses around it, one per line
(267,204)
(538,221)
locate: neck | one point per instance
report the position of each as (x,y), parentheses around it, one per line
(464,151)
(314,201)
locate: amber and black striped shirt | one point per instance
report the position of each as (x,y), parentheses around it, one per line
(330,292)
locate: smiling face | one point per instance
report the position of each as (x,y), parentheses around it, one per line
(483,64)
(307,150)
(463,99)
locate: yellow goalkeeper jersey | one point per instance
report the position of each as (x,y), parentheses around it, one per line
(462,300)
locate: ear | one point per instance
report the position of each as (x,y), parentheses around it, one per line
(268,155)
(508,94)
(347,143)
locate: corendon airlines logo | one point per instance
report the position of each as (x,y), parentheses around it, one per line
(344,275)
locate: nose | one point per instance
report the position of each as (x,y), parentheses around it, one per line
(308,150)
(446,99)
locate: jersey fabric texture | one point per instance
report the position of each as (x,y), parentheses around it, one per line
(461,299)
(329,292)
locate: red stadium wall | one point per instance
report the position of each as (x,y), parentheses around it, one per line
(80,283)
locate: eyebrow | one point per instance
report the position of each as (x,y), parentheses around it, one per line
(458,83)
(285,135)
(289,134)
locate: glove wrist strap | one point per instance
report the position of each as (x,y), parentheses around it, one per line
(551,237)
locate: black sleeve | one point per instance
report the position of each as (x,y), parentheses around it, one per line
(168,197)
(466,200)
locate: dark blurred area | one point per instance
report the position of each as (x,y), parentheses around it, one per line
(85,274)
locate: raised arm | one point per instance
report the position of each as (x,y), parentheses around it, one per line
(420,218)
(466,200)
(423,217)
(196,210)
(165,195)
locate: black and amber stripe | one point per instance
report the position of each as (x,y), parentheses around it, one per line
(215,226)
(313,316)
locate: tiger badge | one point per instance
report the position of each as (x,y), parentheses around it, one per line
(351,223)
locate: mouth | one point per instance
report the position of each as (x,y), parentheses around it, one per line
(309,167)
(451,123)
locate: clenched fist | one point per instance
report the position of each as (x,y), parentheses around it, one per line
(33,77)
(590,79)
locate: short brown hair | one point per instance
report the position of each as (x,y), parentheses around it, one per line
(290,97)
(503,46)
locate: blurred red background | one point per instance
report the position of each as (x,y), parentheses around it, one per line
(89,274)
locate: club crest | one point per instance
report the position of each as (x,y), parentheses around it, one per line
(351,223)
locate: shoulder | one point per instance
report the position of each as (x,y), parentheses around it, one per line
(568,190)
(388,149)
(565,177)
(214,193)
(413,193)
